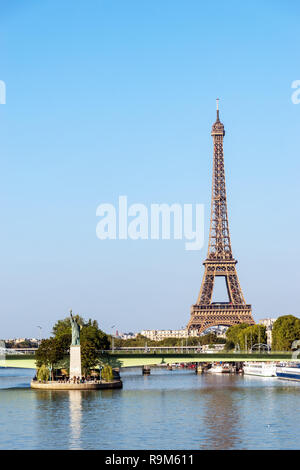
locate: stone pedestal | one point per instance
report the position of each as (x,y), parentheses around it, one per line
(75,361)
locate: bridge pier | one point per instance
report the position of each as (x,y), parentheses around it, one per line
(201,367)
(146,370)
(239,368)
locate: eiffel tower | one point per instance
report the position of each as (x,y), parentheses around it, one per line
(219,261)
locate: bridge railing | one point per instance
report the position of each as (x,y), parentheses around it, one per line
(18,351)
(186,350)
(180,350)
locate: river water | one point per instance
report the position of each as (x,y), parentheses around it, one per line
(166,410)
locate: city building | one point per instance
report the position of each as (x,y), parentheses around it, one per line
(159,335)
(16,342)
(129,335)
(219,331)
(268,323)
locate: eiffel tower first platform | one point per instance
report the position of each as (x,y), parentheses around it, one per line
(219,261)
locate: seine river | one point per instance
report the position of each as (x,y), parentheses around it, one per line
(166,410)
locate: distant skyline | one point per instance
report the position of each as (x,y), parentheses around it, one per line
(105,99)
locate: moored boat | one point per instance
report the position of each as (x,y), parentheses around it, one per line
(288,372)
(219,369)
(261,369)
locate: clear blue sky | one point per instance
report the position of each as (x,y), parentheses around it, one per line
(109,98)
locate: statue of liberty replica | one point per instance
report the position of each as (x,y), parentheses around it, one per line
(75,331)
(75,350)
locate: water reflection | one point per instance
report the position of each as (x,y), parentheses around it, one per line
(221,413)
(75,407)
(51,411)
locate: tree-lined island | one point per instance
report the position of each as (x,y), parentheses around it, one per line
(54,356)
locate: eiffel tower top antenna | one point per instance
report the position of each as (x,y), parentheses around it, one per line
(217,101)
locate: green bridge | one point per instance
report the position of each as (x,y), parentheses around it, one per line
(133,359)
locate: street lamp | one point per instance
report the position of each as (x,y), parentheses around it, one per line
(183,328)
(40,328)
(112,339)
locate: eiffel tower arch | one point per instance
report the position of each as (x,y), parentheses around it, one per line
(219,260)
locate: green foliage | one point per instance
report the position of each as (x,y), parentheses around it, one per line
(245,335)
(286,329)
(91,332)
(232,334)
(229,345)
(49,353)
(211,338)
(65,341)
(254,334)
(43,373)
(139,340)
(89,356)
(107,373)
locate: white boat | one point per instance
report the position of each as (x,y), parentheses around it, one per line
(219,369)
(288,372)
(262,369)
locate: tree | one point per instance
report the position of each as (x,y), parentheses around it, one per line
(89,356)
(209,338)
(49,353)
(286,329)
(229,345)
(64,340)
(43,373)
(92,340)
(107,373)
(251,335)
(139,340)
(91,332)
(245,336)
(233,335)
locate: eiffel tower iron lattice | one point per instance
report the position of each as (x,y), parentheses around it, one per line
(219,261)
